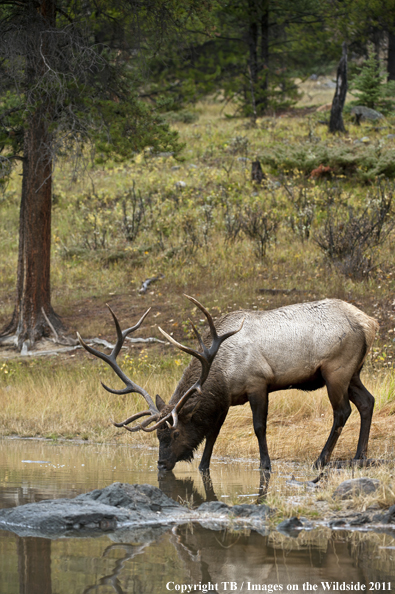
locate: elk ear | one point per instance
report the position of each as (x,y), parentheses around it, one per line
(160,404)
(188,414)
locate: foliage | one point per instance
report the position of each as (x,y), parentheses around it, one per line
(304,206)
(348,240)
(370,88)
(248,53)
(86,95)
(260,225)
(364,162)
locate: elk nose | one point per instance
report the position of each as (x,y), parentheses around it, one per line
(164,465)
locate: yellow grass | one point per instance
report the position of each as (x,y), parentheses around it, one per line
(68,401)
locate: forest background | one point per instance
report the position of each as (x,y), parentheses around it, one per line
(189,144)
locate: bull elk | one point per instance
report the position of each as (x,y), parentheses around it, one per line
(303,346)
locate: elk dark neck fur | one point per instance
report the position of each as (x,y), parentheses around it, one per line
(204,408)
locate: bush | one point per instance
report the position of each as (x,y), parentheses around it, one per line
(260,226)
(348,239)
(360,161)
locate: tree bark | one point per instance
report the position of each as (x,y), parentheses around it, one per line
(265,54)
(391,56)
(258,53)
(336,123)
(33,294)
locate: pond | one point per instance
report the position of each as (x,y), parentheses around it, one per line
(187,558)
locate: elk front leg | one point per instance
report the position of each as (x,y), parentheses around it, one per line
(210,441)
(259,404)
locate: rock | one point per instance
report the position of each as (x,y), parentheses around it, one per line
(180,184)
(336,523)
(175,168)
(365,139)
(100,510)
(129,512)
(250,511)
(216,507)
(245,510)
(290,527)
(142,498)
(386,518)
(360,519)
(165,155)
(352,487)
(365,113)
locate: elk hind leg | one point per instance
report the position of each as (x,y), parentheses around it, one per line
(259,404)
(338,396)
(364,401)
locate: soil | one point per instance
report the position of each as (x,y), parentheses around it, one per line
(91,317)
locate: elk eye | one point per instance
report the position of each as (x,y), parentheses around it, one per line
(176,434)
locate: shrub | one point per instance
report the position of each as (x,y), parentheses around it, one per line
(303,204)
(260,226)
(348,239)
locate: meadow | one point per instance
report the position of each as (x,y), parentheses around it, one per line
(199,222)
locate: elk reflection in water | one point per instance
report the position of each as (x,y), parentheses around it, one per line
(184,489)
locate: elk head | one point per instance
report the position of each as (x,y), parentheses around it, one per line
(176,438)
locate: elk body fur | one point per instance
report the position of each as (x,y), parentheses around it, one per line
(303,346)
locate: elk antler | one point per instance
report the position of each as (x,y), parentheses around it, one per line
(206,358)
(152,411)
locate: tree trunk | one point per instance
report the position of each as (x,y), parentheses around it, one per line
(257,61)
(33,295)
(336,123)
(391,56)
(264,55)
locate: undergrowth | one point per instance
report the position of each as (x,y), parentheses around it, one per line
(211,232)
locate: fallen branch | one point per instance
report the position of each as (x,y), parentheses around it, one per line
(282,291)
(71,347)
(145,284)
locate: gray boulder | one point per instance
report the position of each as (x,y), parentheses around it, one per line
(365,113)
(352,487)
(135,512)
(102,510)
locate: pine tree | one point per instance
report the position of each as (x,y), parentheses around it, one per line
(368,85)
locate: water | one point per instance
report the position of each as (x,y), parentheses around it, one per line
(186,556)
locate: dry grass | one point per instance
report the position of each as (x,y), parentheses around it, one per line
(66,400)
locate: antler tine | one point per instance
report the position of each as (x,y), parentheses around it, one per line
(121,335)
(142,425)
(181,346)
(206,358)
(205,312)
(111,360)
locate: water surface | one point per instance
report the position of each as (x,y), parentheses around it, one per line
(186,556)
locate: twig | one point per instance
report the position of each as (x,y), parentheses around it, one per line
(50,325)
